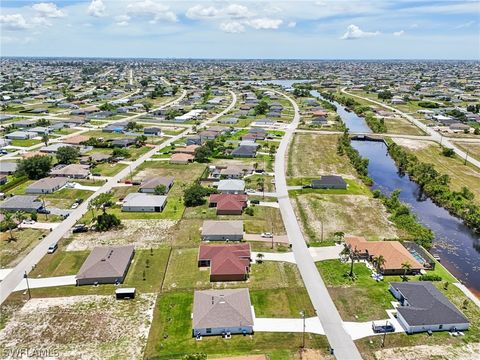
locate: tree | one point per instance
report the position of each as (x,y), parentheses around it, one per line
(448,152)
(106,222)
(34,168)
(445,285)
(249,211)
(67,154)
(194,195)
(379,261)
(147,105)
(202,154)
(20,216)
(352,254)
(140,140)
(9,221)
(144,82)
(120,152)
(406,268)
(261,185)
(43,122)
(45,139)
(102,201)
(385,95)
(339,235)
(160,189)
(260,256)
(132,126)
(261,108)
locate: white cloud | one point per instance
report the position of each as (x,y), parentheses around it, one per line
(232,11)
(48,10)
(202,12)
(292,24)
(465,25)
(97,8)
(13,22)
(153,9)
(399,33)
(40,21)
(122,20)
(354,32)
(232,27)
(265,23)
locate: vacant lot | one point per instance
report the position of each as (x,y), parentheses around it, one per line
(400,125)
(93,327)
(460,174)
(144,234)
(353,214)
(473,149)
(314,155)
(13,251)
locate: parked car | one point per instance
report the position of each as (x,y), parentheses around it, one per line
(255,202)
(79,228)
(75,205)
(382,327)
(43,211)
(267,235)
(28,222)
(52,248)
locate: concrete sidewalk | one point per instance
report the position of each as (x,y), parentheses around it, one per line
(318,254)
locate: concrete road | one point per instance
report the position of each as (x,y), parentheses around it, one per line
(14,277)
(435,136)
(330,319)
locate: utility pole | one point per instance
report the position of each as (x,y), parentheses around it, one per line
(384,334)
(466,157)
(25,276)
(321,224)
(303,334)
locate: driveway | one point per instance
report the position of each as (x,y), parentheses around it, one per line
(40,225)
(273,204)
(85,187)
(259,193)
(257,237)
(286,257)
(35,283)
(318,254)
(293,325)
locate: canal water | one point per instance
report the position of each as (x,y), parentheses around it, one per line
(456,244)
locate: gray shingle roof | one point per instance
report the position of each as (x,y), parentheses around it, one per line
(222,308)
(428,306)
(106,262)
(225,227)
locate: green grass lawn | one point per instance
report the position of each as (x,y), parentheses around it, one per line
(64,198)
(171,335)
(25,143)
(473,149)
(59,263)
(12,252)
(107,169)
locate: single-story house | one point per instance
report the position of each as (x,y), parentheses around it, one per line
(245,151)
(8,167)
(95,158)
(46,185)
(140,202)
(222,312)
(27,203)
(189,149)
(226,262)
(53,148)
(181,158)
(424,308)
(25,123)
(106,265)
(76,171)
(122,143)
(228,204)
(75,140)
(231,186)
(329,182)
(149,185)
(152,131)
(226,230)
(20,135)
(393,252)
(40,130)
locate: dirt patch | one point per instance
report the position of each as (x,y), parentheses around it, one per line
(427,352)
(82,327)
(144,234)
(412,144)
(312,354)
(353,214)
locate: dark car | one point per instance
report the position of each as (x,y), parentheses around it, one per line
(79,228)
(43,211)
(255,202)
(382,328)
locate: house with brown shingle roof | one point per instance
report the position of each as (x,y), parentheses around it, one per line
(226,262)
(228,204)
(181,158)
(222,312)
(106,265)
(394,253)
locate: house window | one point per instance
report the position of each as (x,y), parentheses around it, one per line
(209,330)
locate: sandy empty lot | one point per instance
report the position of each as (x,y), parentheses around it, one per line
(424,352)
(353,214)
(81,327)
(144,234)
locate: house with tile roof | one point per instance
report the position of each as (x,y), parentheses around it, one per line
(226,262)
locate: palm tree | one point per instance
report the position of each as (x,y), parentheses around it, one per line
(339,235)
(8,219)
(261,184)
(260,256)
(352,254)
(45,139)
(379,262)
(406,268)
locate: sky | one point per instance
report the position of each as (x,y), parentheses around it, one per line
(295,29)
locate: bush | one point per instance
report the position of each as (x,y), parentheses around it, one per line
(106,222)
(430,278)
(249,211)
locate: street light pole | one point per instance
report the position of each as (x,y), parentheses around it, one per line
(384,334)
(303,334)
(28,286)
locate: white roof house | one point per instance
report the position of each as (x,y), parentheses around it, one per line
(231,186)
(141,202)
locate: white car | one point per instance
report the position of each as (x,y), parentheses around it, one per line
(75,205)
(267,235)
(28,222)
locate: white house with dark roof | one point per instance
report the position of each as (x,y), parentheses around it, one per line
(141,202)
(222,312)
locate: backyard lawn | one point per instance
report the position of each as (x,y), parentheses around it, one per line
(12,252)
(107,169)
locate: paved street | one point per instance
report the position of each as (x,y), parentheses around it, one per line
(330,319)
(11,281)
